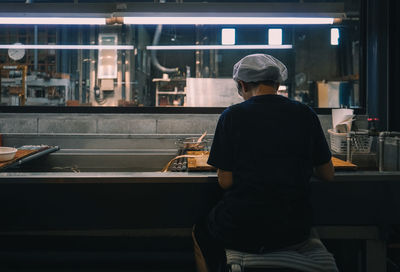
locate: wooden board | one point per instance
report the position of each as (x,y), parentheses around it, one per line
(343,165)
(21,153)
(199,163)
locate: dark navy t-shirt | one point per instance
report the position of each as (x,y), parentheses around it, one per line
(271,145)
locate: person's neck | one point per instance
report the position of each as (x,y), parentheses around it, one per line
(264,90)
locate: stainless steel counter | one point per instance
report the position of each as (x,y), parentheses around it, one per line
(340,176)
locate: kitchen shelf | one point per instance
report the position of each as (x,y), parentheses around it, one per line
(170,92)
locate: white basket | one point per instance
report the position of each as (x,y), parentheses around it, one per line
(360,143)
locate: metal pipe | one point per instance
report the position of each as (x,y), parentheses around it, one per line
(154,59)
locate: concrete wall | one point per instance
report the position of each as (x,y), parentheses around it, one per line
(38,126)
(38,123)
(41,123)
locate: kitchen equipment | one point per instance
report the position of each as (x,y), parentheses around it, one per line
(179,163)
(7,153)
(199,163)
(389,151)
(194,143)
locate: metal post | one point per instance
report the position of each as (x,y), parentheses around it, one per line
(35,51)
(381,150)
(80,66)
(197,54)
(398,153)
(348,151)
(92,72)
(123,64)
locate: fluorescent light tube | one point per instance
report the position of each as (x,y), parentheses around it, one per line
(79,47)
(218,47)
(51,21)
(228,36)
(227,20)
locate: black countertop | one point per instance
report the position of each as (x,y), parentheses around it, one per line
(54,201)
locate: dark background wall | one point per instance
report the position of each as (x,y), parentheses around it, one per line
(394,65)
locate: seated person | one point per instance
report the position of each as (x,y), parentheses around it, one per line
(265,150)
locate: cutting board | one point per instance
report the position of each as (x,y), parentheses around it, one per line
(21,153)
(339,164)
(199,163)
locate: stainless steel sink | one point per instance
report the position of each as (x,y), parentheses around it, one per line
(100,160)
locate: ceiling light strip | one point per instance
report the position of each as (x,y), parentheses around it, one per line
(56,47)
(51,21)
(228,20)
(223,47)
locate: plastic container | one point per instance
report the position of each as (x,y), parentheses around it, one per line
(191,143)
(360,143)
(7,153)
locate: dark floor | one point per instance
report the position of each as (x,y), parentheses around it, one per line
(349,255)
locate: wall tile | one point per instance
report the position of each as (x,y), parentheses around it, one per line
(60,125)
(135,126)
(187,124)
(18,125)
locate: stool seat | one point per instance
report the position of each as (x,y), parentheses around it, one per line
(311,256)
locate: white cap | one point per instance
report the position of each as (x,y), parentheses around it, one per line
(260,67)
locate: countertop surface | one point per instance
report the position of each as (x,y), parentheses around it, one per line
(100,176)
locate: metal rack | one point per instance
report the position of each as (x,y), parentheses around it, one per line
(16,87)
(170,92)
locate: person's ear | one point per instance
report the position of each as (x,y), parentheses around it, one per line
(244,88)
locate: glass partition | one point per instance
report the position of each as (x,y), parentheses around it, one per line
(189,64)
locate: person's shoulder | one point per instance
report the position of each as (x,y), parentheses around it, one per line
(303,107)
(303,111)
(233,109)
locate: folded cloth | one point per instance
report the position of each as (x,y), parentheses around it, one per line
(310,256)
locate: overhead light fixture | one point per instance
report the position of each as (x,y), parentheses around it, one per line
(228,36)
(335,36)
(79,47)
(275,36)
(51,21)
(217,47)
(149,20)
